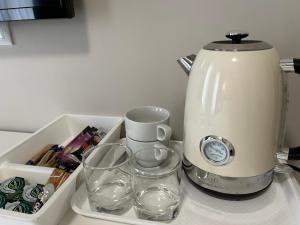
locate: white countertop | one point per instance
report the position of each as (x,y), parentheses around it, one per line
(9,139)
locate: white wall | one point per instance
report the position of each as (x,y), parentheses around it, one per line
(116,54)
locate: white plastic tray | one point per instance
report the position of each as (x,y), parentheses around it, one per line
(279,205)
(60,131)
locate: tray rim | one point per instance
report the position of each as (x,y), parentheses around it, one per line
(291,180)
(108,217)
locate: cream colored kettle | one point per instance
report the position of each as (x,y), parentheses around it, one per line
(234,114)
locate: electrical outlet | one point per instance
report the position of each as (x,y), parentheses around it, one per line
(5,36)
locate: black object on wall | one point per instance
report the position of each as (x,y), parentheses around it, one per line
(11,10)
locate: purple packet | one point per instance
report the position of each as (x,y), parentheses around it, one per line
(81,138)
(67,160)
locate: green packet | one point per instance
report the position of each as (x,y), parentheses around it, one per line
(19,206)
(3,200)
(26,202)
(13,188)
(32,192)
(16,196)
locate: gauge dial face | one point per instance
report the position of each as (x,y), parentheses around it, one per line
(216,152)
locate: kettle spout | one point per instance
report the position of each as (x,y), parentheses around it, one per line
(186,63)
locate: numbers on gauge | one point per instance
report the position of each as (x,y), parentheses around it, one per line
(215,151)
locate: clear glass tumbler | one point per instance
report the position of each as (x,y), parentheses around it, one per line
(156,183)
(107,171)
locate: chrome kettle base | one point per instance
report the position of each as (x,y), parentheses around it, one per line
(233,188)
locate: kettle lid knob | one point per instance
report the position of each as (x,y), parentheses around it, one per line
(236,36)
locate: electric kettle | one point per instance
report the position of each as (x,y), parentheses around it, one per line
(234,115)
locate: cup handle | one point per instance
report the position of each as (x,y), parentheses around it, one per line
(160,152)
(163,132)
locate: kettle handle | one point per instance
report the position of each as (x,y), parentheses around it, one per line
(290,65)
(283,156)
(289,154)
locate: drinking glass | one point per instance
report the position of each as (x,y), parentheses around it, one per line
(156,183)
(107,172)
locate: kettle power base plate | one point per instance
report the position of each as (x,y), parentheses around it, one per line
(230,197)
(279,204)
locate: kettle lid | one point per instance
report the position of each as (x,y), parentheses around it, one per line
(237,44)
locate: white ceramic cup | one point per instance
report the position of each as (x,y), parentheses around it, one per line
(160,153)
(148,123)
(138,145)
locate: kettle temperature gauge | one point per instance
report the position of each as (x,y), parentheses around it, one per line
(216,150)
